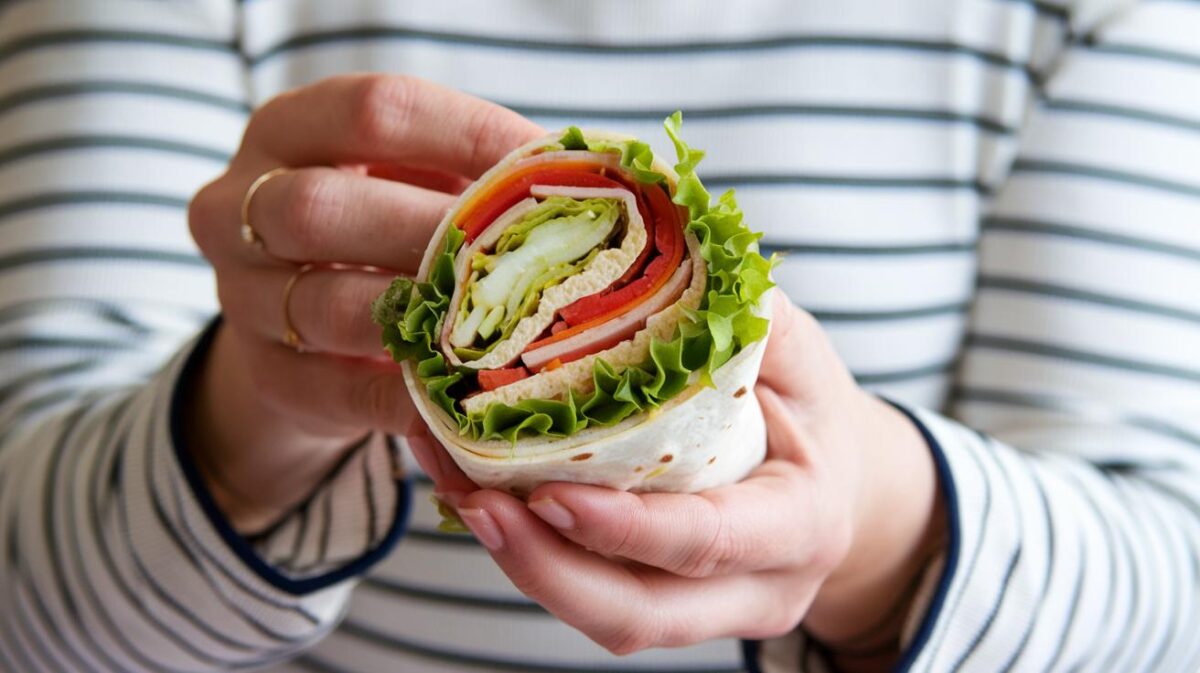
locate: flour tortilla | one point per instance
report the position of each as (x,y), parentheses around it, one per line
(702,438)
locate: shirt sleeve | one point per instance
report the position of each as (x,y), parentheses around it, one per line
(113,556)
(1071,458)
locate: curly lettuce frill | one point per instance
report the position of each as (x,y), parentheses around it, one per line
(411,315)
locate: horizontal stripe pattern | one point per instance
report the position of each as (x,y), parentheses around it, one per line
(75,143)
(16,99)
(1036,288)
(1082,354)
(580,115)
(100,285)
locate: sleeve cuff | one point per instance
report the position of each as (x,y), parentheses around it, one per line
(296,576)
(791,654)
(931,598)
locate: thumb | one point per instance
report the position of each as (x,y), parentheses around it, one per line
(787,359)
(799,360)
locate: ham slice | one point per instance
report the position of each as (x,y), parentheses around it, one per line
(609,159)
(612,332)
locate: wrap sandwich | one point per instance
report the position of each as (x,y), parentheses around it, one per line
(586,313)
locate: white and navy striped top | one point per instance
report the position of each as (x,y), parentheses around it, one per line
(993,206)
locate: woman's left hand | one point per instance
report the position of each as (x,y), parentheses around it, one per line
(830,530)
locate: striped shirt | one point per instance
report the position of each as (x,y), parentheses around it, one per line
(993,207)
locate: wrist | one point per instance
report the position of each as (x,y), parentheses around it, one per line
(254,462)
(899,525)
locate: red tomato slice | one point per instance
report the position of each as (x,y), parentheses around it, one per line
(666,211)
(604,302)
(603,306)
(486,207)
(491,379)
(635,269)
(668,240)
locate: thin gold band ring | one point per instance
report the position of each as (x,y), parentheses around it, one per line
(249,235)
(291,337)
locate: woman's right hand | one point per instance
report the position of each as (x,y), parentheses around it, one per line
(265,422)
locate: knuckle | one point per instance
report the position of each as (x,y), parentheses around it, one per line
(778,619)
(624,646)
(790,607)
(265,116)
(379,399)
(786,617)
(776,627)
(716,552)
(203,217)
(344,315)
(625,541)
(309,203)
(654,624)
(527,582)
(628,638)
(629,538)
(530,579)
(704,562)
(823,543)
(486,122)
(380,107)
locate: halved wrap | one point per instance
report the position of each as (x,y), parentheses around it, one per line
(585,313)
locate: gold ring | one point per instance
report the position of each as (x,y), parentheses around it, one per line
(291,337)
(249,235)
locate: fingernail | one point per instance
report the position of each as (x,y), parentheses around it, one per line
(483,527)
(553,513)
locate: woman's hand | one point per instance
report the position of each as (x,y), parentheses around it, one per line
(830,530)
(265,421)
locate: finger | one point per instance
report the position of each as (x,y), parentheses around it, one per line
(623,607)
(386,118)
(787,438)
(451,484)
(762,522)
(327,394)
(783,359)
(799,361)
(331,215)
(328,307)
(428,178)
